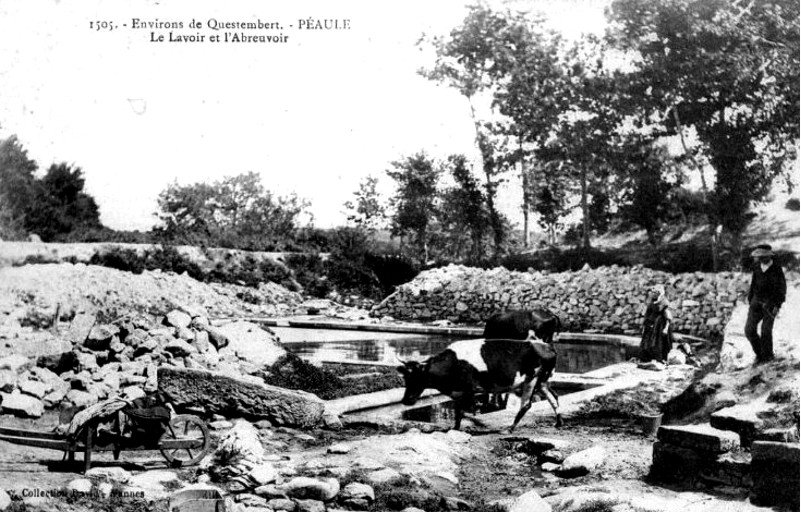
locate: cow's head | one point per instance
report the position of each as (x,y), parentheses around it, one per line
(415,376)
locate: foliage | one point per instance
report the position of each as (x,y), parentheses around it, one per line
(414,202)
(16,187)
(556,260)
(793,204)
(727,69)
(233,212)
(367,210)
(648,192)
(50,206)
(464,216)
(622,403)
(309,271)
(60,205)
(292,372)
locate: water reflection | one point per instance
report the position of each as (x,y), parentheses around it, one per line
(573,357)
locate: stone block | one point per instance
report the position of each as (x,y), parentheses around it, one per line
(237,396)
(741,419)
(700,437)
(780,435)
(677,464)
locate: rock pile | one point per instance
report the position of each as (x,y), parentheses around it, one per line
(101,360)
(607,299)
(38,290)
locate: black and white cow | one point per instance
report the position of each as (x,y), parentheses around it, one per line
(516,325)
(474,367)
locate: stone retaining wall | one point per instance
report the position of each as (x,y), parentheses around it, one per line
(607,299)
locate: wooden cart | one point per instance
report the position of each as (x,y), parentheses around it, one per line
(101,428)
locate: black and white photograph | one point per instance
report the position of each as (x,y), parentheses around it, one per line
(463,255)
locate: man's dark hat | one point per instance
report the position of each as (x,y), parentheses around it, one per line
(763,250)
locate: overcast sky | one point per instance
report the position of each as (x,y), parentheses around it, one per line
(313,115)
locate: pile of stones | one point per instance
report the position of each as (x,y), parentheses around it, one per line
(94,361)
(607,299)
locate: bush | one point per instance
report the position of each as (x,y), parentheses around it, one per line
(292,372)
(792,204)
(556,260)
(309,270)
(168,259)
(127,260)
(391,270)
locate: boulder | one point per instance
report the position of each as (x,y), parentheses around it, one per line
(21,405)
(238,396)
(179,348)
(80,486)
(177,319)
(80,327)
(301,487)
(583,462)
(8,381)
(5,500)
(15,363)
(101,337)
(33,388)
(356,490)
(527,502)
(282,504)
(310,506)
(251,343)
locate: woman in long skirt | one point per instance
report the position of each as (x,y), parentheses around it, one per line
(657,332)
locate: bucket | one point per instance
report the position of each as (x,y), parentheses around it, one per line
(650,423)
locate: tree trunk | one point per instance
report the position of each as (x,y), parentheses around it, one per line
(526,198)
(585,211)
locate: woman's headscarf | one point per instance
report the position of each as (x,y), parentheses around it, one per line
(661,297)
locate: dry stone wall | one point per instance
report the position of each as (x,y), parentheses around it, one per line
(607,299)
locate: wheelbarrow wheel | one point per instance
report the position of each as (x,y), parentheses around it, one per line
(186,427)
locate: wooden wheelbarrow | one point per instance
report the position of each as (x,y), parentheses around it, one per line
(103,428)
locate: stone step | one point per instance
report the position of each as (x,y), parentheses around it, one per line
(741,419)
(701,437)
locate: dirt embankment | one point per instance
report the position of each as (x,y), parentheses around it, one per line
(34,291)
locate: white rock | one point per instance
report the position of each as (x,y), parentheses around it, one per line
(5,500)
(116,474)
(80,485)
(21,405)
(33,388)
(676,356)
(356,490)
(383,476)
(457,436)
(15,362)
(527,502)
(339,448)
(550,467)
(323,489)
(177,318)
(263,474)
(583,462)
(152,480)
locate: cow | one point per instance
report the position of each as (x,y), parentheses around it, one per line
(477,366)
(516,325)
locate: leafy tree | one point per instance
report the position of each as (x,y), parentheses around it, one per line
(551,193)
(728,69)
(233,212)
(414,202)
(17,178)
(60,206)
(464,215)
(476,59)
(366,210)
(648,198)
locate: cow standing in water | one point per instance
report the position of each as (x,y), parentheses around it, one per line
(538,323)
(472,367)
(517,325)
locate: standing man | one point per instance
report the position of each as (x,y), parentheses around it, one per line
(765,297)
